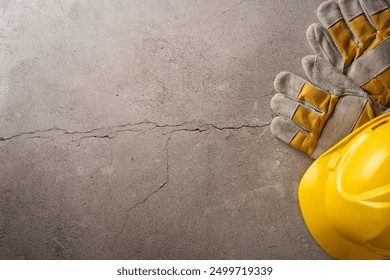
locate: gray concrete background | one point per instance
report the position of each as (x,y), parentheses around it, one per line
(140,130)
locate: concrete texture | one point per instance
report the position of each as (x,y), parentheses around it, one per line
(140,130)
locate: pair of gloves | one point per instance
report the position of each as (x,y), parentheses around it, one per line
(349,73)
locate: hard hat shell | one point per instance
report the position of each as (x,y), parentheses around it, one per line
(345,194)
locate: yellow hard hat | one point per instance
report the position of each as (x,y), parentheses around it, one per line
(345,194)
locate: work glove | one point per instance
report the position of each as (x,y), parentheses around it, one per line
(355,39)
(312,119)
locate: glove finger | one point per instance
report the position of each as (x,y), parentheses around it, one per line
(303,115)
(283,106)
(300,91)
(285,129)
(322,45)
(290,133)
(361,27)
(380,15)
(331,17)
(289,84)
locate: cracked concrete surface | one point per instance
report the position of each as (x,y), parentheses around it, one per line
(139,130)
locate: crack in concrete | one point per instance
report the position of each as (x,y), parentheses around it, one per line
(152,193)
(60,244)
(97,136)
(234,7)
(206,127)
(53,129)
(128,127)
(67,132)
(29,133)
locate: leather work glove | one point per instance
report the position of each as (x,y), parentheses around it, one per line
(312,119)
(355,39)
